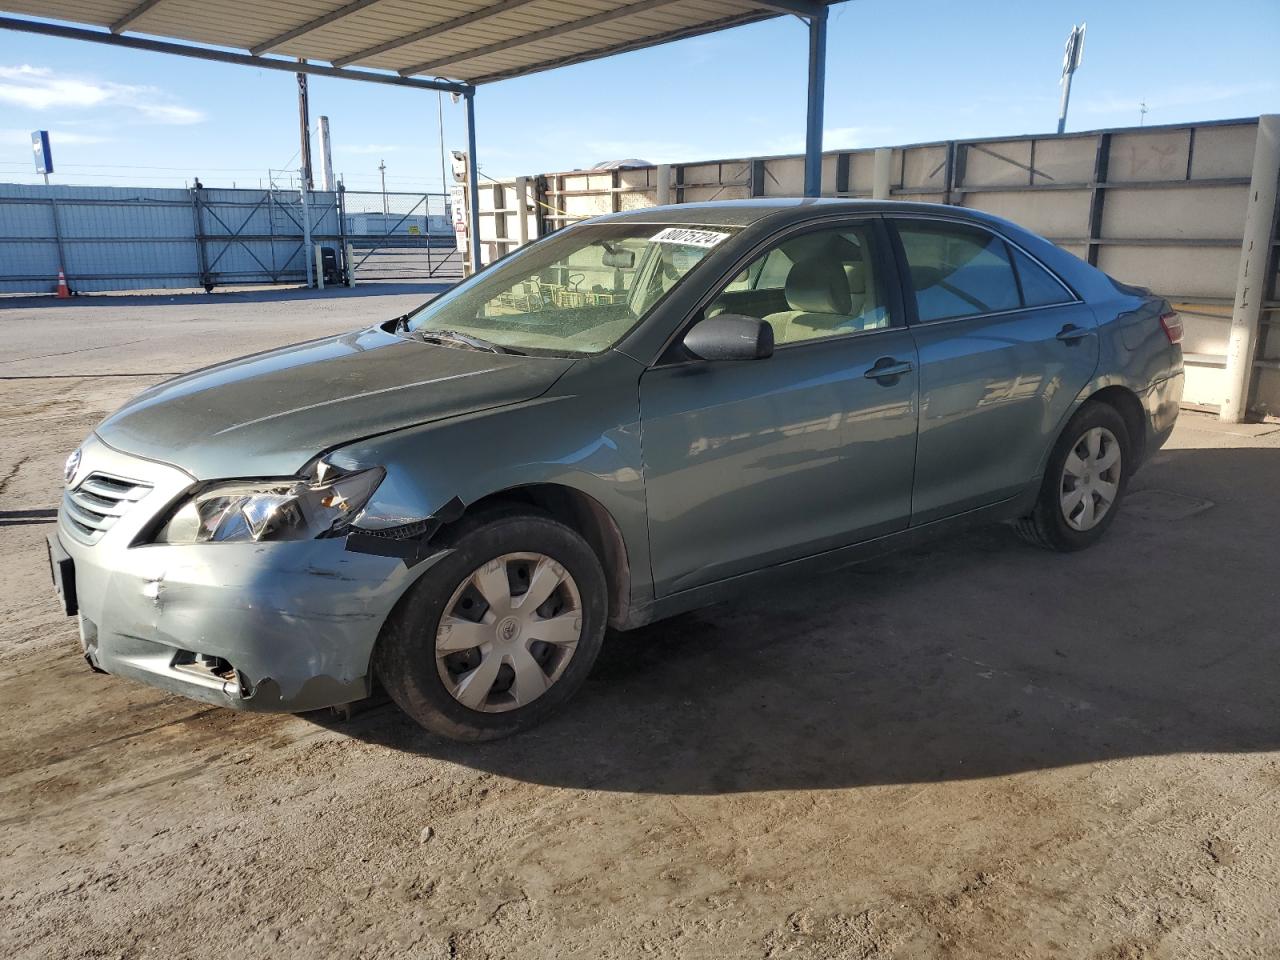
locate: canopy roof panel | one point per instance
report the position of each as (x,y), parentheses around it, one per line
(475,41)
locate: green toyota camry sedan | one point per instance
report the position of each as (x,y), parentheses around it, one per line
(632,417)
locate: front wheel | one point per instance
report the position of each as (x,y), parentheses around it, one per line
(1084,483)
(500,632)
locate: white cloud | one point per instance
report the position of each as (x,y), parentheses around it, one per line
(15,137)
(171,114)
(40,89)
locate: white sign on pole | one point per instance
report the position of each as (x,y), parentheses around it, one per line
(458,208)
(1074,51)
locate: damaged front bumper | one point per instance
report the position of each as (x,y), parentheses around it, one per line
(286,626)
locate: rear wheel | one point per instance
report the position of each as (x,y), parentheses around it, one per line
(1086,478)
(500,632)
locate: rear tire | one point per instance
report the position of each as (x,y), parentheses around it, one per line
(1084,482)
(463,657)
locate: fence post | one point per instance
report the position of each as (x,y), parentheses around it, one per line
(271,228)
(306,231)
(842,175)
(347,270)
(1254,273)
(522,210)
(1098,197)
(949,173)
(202,255)
(880,174)
(57,238)
(664,184)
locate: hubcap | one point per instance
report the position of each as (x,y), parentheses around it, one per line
(1090,479)
(508,632)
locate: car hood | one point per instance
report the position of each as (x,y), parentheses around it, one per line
(268,414)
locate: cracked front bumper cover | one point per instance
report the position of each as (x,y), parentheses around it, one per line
(295,622)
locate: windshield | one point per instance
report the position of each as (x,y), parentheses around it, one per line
(578,291)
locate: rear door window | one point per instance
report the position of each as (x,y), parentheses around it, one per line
(957,270)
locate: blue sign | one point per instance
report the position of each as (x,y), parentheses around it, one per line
(40,147)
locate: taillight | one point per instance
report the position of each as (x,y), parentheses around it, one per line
(1172,323)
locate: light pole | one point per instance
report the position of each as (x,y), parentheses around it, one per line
(304,131)
(382,169)
(1070,61)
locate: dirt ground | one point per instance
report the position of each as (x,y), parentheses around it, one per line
(976,750)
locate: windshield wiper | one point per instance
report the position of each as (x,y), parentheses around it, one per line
(466,339)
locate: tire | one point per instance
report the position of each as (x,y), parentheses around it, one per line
(1052,523)
(430,684)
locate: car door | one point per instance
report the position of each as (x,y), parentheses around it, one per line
(753,463)
(1004,348)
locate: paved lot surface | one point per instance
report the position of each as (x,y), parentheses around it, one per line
(975,750)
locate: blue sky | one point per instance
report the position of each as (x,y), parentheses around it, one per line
(899,71)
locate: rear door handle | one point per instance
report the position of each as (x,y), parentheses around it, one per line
(1071,333)
(888,368)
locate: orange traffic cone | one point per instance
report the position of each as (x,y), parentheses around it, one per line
(64,292)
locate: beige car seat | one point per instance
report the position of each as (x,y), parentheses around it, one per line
(821,300)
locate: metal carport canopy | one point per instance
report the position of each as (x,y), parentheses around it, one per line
(433,44)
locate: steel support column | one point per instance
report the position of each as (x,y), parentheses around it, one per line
(817,87)
(473,183)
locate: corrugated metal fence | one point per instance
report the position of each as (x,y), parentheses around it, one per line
(127,238)
(137,238)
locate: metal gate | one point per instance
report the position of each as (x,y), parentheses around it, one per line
(399,236)
(262,236)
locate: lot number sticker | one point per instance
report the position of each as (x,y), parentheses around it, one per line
(689,238)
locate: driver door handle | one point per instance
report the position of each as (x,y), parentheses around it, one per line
(887,369)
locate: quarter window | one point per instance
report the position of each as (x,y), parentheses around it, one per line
(1040,288)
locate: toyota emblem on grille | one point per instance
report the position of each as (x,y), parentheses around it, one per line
(71,466)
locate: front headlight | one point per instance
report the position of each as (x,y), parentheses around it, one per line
(272,509)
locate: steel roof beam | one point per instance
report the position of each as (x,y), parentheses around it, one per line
(226,56)
(801,8)
(344,11)
(559,29)
(484,13)
(754,15)
(133,15)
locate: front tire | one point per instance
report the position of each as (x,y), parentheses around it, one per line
(499,633)
(1084,482)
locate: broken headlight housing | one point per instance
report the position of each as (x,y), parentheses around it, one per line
(270,510)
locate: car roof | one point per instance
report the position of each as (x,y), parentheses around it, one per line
(780,210)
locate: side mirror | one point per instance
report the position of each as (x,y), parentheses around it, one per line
(730,336)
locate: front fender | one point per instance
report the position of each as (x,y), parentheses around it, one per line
(585,435)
